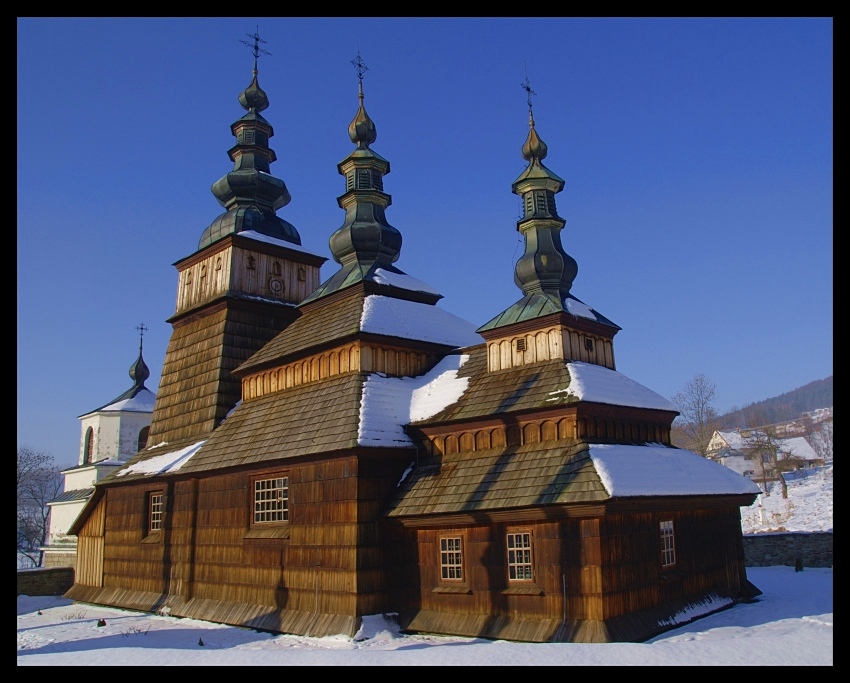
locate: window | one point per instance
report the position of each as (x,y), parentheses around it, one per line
(271,500)
(155,508)
(143,438)
(88,449)
(520,344)
(668,549)
(519,556)
(588,344)
(451,558)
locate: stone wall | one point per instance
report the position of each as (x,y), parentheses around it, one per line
(45,581)
(813,549)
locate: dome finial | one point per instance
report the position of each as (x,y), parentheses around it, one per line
(139,372)
(253,97)
(362,129)
(534,150)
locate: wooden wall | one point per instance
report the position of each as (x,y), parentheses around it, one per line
(328,561)
(235,269)
(197,388)
(587,571)
(549,344)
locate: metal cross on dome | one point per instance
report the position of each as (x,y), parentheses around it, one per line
(360,65)
(257,50)
(526,85)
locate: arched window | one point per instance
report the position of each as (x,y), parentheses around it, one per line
(143,437)
(88,449)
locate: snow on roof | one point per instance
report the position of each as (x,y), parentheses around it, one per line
(412,320)
(159,464)
(389,403)
(598,384)
(140,403)
(260,237)
(402,280)
(796,446)
(579,308)
(657,470)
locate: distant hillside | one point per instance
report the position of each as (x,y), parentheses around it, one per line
(787,406)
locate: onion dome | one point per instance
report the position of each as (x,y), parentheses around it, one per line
(366,241)
(249,192)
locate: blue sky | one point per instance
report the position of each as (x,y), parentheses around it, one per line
(697,155)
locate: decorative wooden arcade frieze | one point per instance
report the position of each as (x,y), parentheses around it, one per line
(354,357)
(551,343)
(542,430)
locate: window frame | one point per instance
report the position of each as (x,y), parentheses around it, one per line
(252,500)
(444,553)
(154,526)
(525,562)
(667,543)
(452,584)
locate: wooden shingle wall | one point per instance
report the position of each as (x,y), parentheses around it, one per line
(198,388)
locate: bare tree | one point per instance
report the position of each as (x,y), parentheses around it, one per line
(774,457)
(39,482)
(697,419)
(819,436)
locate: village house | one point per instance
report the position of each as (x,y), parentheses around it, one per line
(755,454)
(325,449)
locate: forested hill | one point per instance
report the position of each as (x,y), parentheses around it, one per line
(787,406)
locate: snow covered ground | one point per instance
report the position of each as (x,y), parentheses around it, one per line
(808,506)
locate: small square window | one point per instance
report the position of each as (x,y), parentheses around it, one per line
(271,500)
(588,344)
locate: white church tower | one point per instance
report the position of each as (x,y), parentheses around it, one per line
(109,436)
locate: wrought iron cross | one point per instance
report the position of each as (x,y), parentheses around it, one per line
(142,329)
(526,85)
(360,65)
(257,50)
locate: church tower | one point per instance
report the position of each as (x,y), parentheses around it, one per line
(548,323)
(239,289)
(109,436)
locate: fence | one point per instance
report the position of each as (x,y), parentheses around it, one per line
(791,549)
(54,581)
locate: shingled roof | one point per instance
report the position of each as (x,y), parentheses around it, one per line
(538,386)
(309,419)
(499,478)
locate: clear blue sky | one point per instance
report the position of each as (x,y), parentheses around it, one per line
(697,155)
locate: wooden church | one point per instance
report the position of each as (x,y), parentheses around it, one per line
(322,450)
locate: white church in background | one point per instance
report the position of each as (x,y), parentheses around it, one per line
(109,436)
